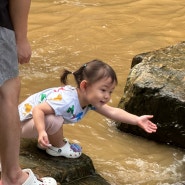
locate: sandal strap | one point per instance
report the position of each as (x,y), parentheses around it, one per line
(33,180)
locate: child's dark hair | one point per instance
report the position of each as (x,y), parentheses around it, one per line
(92,72)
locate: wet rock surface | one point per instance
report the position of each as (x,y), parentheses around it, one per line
(66,171)
(156,85)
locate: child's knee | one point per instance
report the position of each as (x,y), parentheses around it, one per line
(53,123)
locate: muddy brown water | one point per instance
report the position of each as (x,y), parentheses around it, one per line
(68,33)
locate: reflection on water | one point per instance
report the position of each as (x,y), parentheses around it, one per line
(68,33)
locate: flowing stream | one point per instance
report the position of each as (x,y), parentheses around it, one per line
(68,33)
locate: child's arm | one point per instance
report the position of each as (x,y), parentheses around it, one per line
(39,113)
(120,115)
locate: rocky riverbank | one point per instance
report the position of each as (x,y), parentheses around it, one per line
(79,171)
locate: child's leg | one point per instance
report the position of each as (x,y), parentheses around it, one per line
(28,129)
(54,129)
(56,139)
(53,124)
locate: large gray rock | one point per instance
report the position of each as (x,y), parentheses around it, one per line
(156,85)
(66,171)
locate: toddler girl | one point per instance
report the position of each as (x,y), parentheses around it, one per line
(43,114)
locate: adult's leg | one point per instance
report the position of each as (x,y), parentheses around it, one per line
(10,133)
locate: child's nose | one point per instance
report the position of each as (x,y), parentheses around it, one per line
(107,95)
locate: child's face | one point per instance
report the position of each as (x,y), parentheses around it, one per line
(99,93)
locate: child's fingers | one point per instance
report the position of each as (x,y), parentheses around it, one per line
(150,116)
(46,142)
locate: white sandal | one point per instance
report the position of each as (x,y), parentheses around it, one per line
(68,150)
(32,179)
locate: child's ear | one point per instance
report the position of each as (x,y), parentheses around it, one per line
(83,85)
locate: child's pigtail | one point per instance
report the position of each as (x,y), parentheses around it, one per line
(79,74)
(64,75)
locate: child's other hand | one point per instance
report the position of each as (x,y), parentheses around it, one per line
(145,123)
(43,139)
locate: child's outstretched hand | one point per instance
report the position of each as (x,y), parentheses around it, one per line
(146,124)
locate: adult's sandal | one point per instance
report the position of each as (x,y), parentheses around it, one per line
(33,180)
